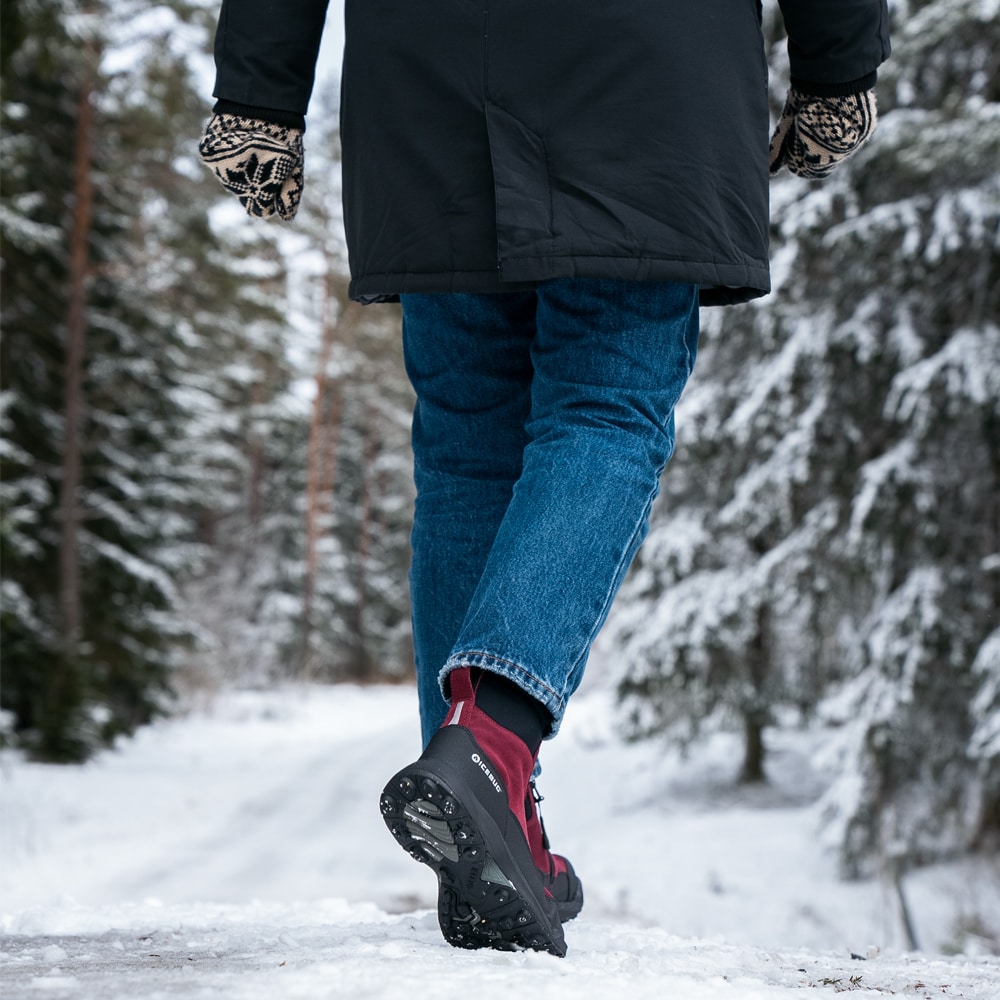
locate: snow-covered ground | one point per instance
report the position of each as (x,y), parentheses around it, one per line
(238,852)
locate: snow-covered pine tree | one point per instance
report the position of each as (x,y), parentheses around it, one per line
(37,174)
(88,650)
(83,406)
(831,523)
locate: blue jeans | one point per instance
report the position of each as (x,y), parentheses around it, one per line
(544,419)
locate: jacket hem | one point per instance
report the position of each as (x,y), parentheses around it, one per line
(718,284)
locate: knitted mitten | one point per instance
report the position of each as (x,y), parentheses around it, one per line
(814,134)
(259,162)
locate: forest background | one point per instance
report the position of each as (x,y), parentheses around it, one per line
(206,474)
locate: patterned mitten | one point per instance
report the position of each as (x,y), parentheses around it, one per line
(259,162)
(814,134)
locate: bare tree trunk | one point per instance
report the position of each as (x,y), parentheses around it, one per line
(753,749)
(314,458)
(320,461)
(76,333)
(255,454)
(331,454)
(905,916)
(362,665)
(756,713)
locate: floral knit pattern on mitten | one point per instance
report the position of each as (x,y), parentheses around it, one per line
(259,162)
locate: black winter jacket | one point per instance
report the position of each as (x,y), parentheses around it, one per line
(492,144)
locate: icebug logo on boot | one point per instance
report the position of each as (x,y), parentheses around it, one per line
(476,759)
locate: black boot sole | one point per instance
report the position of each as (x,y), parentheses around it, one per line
(448,811)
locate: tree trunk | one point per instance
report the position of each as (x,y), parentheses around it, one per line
(314,460)
(58,715)
(76,333)
(320,463)
(756,710)
(905,916)
(255,454)
(330,452)
(362,666)
(753,748)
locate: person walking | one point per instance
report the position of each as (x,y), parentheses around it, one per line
(551,191)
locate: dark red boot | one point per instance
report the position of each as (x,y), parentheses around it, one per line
(458,810)
(560,880)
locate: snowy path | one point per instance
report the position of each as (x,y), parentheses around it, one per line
(237,853)
(336,949)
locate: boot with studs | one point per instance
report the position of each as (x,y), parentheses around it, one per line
(459,810)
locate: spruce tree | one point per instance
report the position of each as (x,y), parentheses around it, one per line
(117,303)
(828,532)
